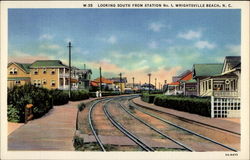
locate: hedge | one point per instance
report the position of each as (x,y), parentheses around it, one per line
(149,98)
(59,97)
(20,96)
(196,105)
(77,95)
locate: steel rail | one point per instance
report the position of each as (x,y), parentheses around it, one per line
(90,119)
(124,130)
(182,128)
(189,120)
(156,130)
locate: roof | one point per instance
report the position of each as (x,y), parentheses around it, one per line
(200,70)
(187,77)
(18,78)
(174,83)
(103,80)
(181,76)
(84,71)
(191,81)
(147,85)
(93,83)
(48,64)
(117,79)
(232,61)
(23,66)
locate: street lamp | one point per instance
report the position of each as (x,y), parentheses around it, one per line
(149,75)
(100,79)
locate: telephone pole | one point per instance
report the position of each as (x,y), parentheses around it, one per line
(100,79)
(120,81)
(133,82)
(155,83)
(149,75)
(69,68)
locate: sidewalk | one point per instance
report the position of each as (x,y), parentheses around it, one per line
(53,131)
(226,123)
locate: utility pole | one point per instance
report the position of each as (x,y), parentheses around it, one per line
(149,75)
(159,85)
(155,83)
(69,68)
(133,82)
(120,81)
(100,79)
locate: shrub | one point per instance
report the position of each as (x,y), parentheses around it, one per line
(20,96)
(149,98)
(81,106)
(59,97)
(79,95)
(196,105)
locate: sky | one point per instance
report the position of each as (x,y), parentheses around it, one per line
(134,42)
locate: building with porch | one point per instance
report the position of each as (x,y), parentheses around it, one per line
(51,74)
(179,85)
(226,83)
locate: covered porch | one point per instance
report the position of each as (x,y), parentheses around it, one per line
(220,86)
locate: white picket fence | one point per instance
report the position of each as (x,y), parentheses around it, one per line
(225,107)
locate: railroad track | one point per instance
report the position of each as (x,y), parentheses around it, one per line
(181,128)
(130,135)
(91,124)
(189,120)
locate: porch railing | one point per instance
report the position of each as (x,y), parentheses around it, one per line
(225,94)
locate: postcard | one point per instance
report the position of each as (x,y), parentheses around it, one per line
(124,80)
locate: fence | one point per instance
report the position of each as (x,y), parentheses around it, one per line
(225,107)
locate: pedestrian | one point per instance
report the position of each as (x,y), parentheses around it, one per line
(97,94)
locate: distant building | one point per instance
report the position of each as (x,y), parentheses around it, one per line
(179,85)
(51,74)
(146,87)
(105,83)
(225,82)
(119,84)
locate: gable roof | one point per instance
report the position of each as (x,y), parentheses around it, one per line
(179,77)
(231,61)
(104,80)
(187,77)
(48,64)
(200,70)
(117,79)
(23,66)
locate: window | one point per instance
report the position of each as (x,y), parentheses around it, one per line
(11,71)
(38,83)
(36,72)
(15,71)
(209,84)
(44,82)
(18,82)
(44,71)
(53,83)
(34,82)
(53,72)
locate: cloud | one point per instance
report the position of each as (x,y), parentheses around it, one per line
(46,37)
(204,44)
(112,39)
(22,57)
(190,35)
(233,49)
(49,46)
(153,45)
(156,27)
